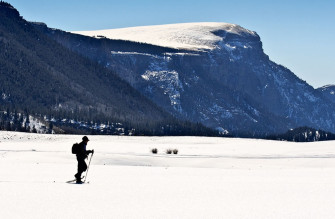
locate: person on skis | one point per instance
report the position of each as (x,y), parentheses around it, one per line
(81,156)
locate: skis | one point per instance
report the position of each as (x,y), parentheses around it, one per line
(74,181)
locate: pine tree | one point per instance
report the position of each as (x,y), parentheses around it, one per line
(34,130)
(51,125)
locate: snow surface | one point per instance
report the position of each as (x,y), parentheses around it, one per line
(209,178)
(192,36)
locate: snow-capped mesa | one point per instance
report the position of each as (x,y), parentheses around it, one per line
(191,36)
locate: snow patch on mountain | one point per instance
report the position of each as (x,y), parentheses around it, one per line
(5,96)
(166,79)
(192,36)
(132,53)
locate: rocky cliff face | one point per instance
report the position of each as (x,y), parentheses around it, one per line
(217,75)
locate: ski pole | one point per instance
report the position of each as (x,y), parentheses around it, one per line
(88,167)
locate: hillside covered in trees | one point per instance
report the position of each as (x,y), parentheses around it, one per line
(40,77)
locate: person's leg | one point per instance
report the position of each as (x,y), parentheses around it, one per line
(82,167)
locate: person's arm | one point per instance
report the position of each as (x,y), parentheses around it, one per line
(89,152)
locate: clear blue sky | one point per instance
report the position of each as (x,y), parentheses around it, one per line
(298,34)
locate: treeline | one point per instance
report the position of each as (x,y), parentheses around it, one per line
(304,134)
(16,122)
(165,128)
(22,122)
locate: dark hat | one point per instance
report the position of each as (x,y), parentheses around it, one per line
(85,138)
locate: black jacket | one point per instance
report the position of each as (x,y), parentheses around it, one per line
(82,153)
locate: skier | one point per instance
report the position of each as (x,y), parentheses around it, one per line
(81,156)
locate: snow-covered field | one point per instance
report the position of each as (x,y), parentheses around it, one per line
(209,178)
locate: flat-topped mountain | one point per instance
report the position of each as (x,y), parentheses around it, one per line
(216,74)
(213,73)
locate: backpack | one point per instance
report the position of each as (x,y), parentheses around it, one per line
(75,148)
